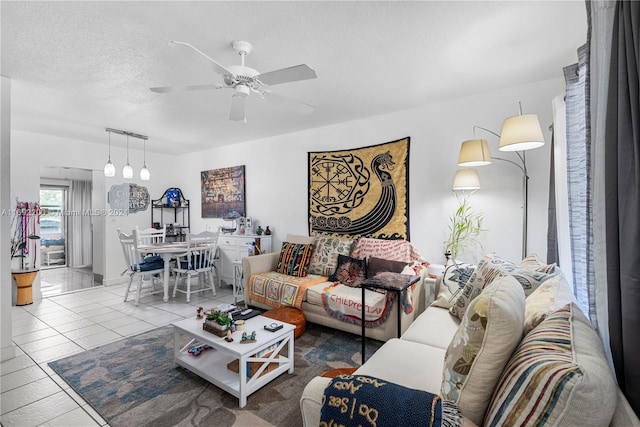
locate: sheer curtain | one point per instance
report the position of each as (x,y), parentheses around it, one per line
(79,251)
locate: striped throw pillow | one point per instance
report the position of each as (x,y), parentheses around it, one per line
(294,259)
(558,375)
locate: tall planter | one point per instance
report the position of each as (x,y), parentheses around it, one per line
(24,282)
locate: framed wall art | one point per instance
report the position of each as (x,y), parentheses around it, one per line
(223,193)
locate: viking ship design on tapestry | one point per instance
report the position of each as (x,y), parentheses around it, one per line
(361,192)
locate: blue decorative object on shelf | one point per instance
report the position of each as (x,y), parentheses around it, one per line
(173,197)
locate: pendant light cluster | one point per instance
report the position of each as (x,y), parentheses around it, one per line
(127,170)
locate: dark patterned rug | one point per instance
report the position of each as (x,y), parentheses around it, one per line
(133,382)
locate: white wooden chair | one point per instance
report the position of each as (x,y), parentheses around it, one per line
(133,260)
(149,236)
(198,260)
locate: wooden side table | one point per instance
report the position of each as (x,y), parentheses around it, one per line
(394,282)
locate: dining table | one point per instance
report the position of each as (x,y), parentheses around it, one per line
(168,251)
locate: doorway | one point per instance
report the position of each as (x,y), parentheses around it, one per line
(66,230)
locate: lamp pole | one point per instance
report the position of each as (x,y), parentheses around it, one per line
(525,188)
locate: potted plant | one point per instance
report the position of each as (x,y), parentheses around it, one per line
(465,227)
(218,321)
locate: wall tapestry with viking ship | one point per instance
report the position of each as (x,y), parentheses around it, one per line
(223,194)
(361,192)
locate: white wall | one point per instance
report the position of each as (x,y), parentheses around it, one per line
(6,284)
(276,170)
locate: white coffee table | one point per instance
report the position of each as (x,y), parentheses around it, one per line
(212,363)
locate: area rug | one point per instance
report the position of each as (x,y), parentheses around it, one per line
(133,382)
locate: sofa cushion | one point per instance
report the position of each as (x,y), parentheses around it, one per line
(395,250)
(435,327)
(489,332)
(294,259)
(407,363)
(453,279)
(558,375)
(350,271)
(326,248)
(492,267)
(377,265)
(532,262)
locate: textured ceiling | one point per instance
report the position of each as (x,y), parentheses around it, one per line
(78,67)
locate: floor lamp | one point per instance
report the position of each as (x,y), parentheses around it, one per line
(519,134)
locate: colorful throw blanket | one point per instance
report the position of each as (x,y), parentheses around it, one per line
(360,400)
(277,290)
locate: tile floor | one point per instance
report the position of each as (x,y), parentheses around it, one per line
(58,280)
(31,393)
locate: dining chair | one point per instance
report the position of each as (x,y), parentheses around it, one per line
(149,236)
(209,235)
(198,260)
(136,267)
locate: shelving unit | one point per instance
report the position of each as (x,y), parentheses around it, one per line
(167,212)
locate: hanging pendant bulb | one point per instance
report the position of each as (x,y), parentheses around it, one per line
(109,168)
(127,170)
(145,175)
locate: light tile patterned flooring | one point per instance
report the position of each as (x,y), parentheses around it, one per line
(61,325)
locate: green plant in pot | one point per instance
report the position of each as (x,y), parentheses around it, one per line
(220,318)
(465,227)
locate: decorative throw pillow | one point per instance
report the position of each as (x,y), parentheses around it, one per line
(542,302)
(395,250)
(376,265)
(350,271)
(492,267)
(532,262)
(490,330)
(454,278)
(558,375)
(294,259)
(326,248)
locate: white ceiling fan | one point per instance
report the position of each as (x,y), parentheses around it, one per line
(244,80)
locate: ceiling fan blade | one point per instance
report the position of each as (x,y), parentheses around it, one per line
(283,101)
(167,89)
(286,75)
(237,108)
(217,67)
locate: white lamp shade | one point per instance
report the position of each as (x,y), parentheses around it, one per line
(127,171)
(109,169)
(145,175)
(521,133)
(474,152)
(466,179)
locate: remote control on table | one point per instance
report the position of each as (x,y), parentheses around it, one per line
(247,311)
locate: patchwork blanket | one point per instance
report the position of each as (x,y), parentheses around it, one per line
(278,290)
(361,400)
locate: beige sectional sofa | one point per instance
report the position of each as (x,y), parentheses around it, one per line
(529,355)
(312,300)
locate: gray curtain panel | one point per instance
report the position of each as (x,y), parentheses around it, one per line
(622,188)
(552,223)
